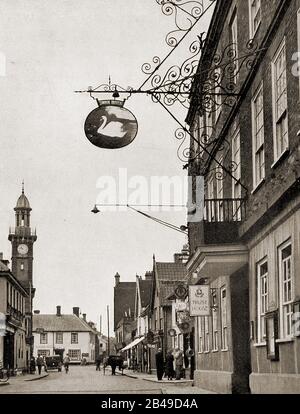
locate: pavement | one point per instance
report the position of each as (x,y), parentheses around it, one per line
(183,386)
(27,377)
(86,380)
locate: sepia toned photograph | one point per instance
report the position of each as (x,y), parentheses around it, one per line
(149,218)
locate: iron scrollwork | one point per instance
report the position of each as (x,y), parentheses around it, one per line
(175,85)
(110,87)
(190,154)
(218,86)
(185,14)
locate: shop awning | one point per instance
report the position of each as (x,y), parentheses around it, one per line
(133,343)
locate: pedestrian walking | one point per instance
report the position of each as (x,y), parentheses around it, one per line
(39,363)
(170,365)
(98,363)
(159,358)
(66,363)
(178,356)
(113,363)
(45,364)
(32,365)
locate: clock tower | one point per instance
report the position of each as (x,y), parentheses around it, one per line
(22,238)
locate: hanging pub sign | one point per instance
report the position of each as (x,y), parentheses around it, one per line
(111,125)
(199,299)
(180,291)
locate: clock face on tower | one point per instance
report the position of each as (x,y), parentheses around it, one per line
(22,249)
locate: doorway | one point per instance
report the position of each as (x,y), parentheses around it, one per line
(9,351)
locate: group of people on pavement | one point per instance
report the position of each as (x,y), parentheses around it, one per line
(40,362)
(172,366)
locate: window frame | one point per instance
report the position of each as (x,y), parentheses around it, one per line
(43,352)
(200,335)
(77,336)
(233,25)
(283,333)
(78,357)
(237,174)
(279,120)
(218,97)
(224,326)
(44,335)
(258,148)
(220,190)
(253,30)
(206,332)
(56,338)
(214,320)
(261,316)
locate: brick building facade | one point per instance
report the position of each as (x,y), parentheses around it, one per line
(245,107)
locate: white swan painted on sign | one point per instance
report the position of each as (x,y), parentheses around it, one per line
(111,129)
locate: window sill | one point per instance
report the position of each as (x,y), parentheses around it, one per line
(215,351)
(260,345)
(224,350)
(285,340)
(258,186)
(280,158)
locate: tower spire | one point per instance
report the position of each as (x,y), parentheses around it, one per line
(23,187)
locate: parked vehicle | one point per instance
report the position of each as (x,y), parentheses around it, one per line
(54,362)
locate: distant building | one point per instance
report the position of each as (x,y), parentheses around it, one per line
(61,334)
(137,351)
(124,302)
(14,353)
(166,277)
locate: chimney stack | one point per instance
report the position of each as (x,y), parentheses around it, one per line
(58,310)
(36,312)
(117,279)
(84,316)
(76,311)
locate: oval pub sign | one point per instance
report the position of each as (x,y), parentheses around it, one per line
(111,125)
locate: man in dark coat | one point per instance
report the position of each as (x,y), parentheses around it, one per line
(39,363)
(98,363)
(159,364)
(170,365)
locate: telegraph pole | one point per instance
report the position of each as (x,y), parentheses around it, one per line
(108,339)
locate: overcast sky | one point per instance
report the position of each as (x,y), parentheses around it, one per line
(53,48)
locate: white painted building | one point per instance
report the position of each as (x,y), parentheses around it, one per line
(64,334)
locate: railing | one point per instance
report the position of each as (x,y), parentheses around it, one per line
(226,210)
(22,231)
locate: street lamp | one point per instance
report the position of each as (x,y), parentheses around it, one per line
(95,210)
(182,229)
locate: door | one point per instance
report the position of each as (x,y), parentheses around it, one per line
(9,354)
